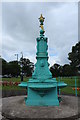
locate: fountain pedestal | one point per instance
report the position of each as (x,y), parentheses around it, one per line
(42,93)
(42,88)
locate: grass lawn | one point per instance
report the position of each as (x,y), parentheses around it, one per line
(13,79)
(69,90)
(69,80)
(70,84)
(13,87)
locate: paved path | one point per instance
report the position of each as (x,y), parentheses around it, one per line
(14,107)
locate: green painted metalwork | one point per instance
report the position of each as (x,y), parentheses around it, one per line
(59,84)
(75,87)
(42,88)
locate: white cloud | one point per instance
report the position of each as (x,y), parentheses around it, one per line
(21,27)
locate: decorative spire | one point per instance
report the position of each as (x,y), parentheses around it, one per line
(41,20)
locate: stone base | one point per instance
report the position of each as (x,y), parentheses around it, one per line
(15,108)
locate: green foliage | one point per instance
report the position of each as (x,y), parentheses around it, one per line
(65,70)
(68,69)
(55,70)
(4,66)
(74,57)
(13,67)
(27,66)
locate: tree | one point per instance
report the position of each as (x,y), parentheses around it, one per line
(4,66)
(58,70)
(67,70)
(55,70)
(74,57)
(13,68)
(27,66)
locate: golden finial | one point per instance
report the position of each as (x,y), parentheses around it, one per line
(41,19)
(42,27)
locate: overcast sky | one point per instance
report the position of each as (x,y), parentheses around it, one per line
(20,28)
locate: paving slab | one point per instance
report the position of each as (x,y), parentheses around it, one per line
(14,108)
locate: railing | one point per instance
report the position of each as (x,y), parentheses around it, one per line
(73,85)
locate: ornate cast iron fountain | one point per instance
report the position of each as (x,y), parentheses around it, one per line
(42,89)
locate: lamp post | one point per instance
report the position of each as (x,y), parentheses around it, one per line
(17,63)
(17,56)
(21,66)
